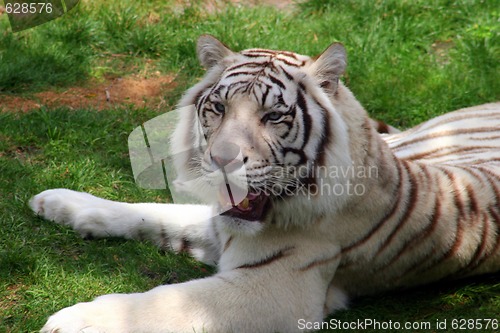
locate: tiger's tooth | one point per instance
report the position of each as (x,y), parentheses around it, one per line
(245,203)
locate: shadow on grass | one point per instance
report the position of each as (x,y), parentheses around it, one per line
(462,299)
(30,66)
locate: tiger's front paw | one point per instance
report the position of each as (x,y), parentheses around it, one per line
(84,212)
(70,320)
(106,314)
(60,205)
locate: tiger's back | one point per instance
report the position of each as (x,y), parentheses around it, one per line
(464,137)
(445,220)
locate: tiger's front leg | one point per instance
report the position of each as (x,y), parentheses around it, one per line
(268,299)
(172,226)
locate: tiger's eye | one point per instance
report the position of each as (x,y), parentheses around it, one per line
(219,107)
(274,116)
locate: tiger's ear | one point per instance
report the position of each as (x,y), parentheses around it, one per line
(329,66)
(211,51)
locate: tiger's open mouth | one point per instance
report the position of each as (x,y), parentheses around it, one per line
(251,208)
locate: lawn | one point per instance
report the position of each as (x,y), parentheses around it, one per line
(408,61)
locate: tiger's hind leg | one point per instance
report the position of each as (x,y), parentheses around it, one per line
(178,227)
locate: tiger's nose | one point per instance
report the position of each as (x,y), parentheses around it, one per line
(221,161)
(228,157)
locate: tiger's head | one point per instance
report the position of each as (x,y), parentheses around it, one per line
(270,112)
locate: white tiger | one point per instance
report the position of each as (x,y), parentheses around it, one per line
(429,210)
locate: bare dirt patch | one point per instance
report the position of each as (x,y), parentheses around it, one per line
(212,6)
(12,298)
(281,4)
(136,90)
(130,90)
(441,49)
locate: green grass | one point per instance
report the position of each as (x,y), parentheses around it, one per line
(394,70)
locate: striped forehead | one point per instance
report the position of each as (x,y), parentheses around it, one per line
(284,57)
(259,72)
(261,62)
